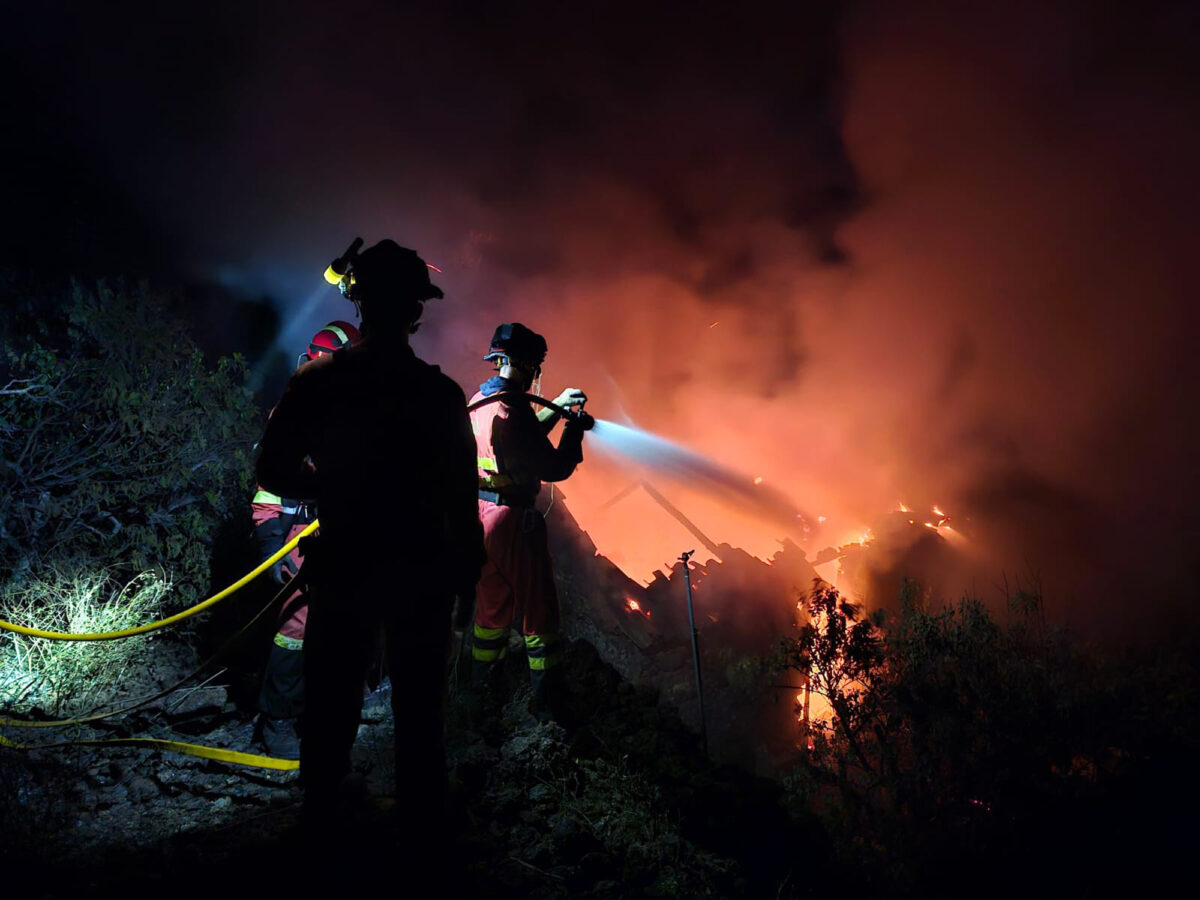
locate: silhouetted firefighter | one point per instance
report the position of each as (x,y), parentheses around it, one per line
(382,441)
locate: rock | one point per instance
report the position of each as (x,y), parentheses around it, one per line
(142,789)
(208,700)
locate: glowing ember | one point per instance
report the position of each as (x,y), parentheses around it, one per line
(633,606)
(937,512)
(758,480)
(904,508)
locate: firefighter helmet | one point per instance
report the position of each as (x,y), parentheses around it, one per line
(334,336)
(388,271)
(516,342)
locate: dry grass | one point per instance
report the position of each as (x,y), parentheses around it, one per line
(70,677)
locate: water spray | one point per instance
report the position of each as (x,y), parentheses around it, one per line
(653,452)
(698,471)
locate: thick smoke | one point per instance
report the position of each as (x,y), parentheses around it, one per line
(910,253)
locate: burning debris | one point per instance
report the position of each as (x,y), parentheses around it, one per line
(743,606)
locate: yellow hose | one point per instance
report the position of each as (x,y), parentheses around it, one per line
(170,620)
(229,756)
(230,642)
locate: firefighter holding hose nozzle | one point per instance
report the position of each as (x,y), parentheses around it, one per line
(515,455)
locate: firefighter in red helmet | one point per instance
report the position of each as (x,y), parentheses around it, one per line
(515,456)
(276,521)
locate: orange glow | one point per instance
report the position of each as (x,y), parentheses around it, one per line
(904,508)
(937,512)
(758,480)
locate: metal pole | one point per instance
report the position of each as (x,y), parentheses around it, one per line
(687,580)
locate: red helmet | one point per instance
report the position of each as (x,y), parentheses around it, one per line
(332,337)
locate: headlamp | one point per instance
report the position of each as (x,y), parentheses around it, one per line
(340,272)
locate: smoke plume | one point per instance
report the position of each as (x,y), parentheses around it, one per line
(889,253)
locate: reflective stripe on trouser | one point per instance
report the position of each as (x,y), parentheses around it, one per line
(281,695)
(543,650)
(489,644)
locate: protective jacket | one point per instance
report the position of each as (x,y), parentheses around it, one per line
(514,453)
(391,471)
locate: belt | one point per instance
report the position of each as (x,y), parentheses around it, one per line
(505,499)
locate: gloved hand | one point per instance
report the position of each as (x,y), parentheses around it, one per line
(570,397)
(279,575)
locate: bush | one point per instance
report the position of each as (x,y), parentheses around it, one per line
(120,448)
(953,746)
(70,677)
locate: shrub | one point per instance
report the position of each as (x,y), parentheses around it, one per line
(120,448)
(952,742)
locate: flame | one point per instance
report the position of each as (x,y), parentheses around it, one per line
(937,512)
(904,508)
(633,606)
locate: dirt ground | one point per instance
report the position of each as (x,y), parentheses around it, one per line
(619,804)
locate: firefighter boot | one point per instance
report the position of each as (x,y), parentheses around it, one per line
(281,738)
(482,699)
(548,702)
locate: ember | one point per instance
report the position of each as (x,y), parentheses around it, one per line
(633,606)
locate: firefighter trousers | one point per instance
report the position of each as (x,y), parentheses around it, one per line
(343,623)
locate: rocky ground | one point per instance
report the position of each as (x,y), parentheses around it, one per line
(620,804)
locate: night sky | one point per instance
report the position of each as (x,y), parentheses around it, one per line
(874,252)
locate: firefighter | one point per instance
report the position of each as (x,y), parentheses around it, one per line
(276,521)
(382,442)
(515,455)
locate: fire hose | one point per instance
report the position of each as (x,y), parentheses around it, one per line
(170,620)
(215,753)
(199,750)
(581,416)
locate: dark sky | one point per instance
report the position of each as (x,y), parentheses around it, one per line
(949,251)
